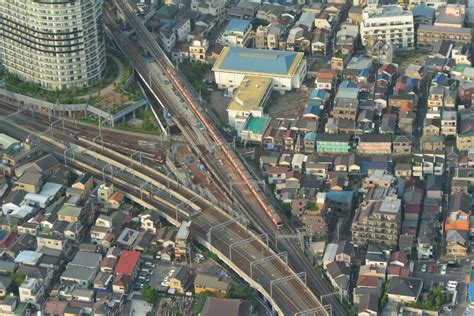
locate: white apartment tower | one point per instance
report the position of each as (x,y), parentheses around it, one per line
(55,43)
(390,23)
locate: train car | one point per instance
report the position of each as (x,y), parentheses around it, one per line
(244,174)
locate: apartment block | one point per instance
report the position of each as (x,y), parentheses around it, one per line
(56,44)
(377,222)
(390,23)
(428,35)
(236,33)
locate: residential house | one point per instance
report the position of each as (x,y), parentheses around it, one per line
(215,8)
(226,306)
(236,33)
(340,276)
(121,283)
(325,79)
(449,123)
(457,243)
(332,143)
(402,170)
(402,144)
(31,290)
(181,279)
(345,252)
(30,182)
(182,241)
(427,237)
(128,263)
(115,200)
(432,142)
(404,290)
(150,221)
(198,49)
(210,283)
(374,144)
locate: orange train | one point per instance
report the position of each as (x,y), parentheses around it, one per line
(271,213)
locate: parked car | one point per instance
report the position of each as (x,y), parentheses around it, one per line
(143,279)
(447,308)
(199,258)
(430,268)
(443,269)
(423,268)
(149,264)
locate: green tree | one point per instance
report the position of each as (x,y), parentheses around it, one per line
(200,301)
(243,292)
(18,279)
(150,294)
(286,209)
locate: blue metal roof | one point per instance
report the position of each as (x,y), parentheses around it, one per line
(347,84)
(423,10)
(286,3)
(312,110)
(364,167)
(383,76)
(340,196)
(440,78)
(314,102)
(311,136)
(318,94)
(471,292)
(237,25)
(258,61)
(364,72)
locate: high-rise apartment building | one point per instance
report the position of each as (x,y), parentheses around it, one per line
(55,43)
(390,23)
(377,222)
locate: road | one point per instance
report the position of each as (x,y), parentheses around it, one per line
(203,144)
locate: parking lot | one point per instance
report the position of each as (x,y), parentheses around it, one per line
(430,280)
(161,271)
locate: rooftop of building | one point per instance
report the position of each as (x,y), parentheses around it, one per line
(443,29)
(258,61)
(183,231)
(250,94)
(211,281)
(257,125)
(423,10)
(386,11)
(237,25)
(127,262)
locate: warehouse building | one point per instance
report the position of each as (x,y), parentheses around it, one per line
(286,69)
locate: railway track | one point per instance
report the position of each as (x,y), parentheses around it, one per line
(319,285)
(203,221)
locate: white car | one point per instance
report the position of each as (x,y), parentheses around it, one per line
(443,269)
(423,268)
(165,284)
(447,308)
(149,264)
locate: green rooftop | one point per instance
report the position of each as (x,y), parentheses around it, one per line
(257,125)
(69,210)
(460,68)
(168,10)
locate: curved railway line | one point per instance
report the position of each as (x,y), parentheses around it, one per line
(158,198)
